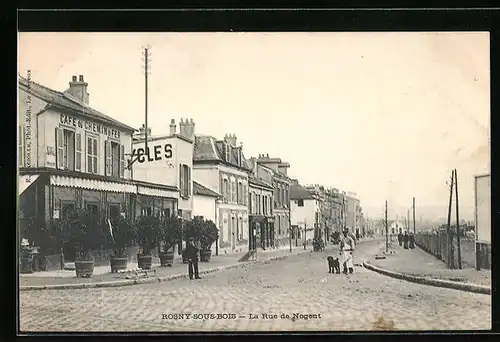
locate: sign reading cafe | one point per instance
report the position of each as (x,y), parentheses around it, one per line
(89,126)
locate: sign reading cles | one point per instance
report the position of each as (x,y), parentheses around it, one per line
(141,154)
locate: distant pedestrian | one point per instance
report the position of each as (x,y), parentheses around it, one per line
(406,240)
(412,241)
(400,238)
(192,250)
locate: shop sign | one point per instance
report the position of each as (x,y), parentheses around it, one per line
(67,120)
(158,153)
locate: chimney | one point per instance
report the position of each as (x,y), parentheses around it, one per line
(231,139)
(190,129)
(173,127)
(78,89)
(182,127)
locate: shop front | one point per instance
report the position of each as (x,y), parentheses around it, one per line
(52,194)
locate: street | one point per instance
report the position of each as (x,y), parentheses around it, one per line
(263,295)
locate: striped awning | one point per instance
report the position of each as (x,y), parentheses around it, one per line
(92,184)
(25,181)
(156,192)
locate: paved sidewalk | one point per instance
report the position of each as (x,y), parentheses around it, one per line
(102,273)
(417,262)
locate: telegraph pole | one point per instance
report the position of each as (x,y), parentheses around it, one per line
(386,230)
(458,223)
(450,237)
(147,55)
(408,217)
(414,230)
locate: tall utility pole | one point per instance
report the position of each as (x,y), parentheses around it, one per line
(448,230)
(414,230)
(147,55)
(386,230)
(458,223)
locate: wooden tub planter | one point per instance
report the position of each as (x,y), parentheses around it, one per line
(84,268)
(166,259)
(205,255)
(118,264)
(144,262)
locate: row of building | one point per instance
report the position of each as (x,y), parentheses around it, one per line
(71,155)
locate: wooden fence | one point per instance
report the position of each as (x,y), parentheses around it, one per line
(437,244)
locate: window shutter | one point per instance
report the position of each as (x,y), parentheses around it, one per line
(95,151)
(21,147)
(122,161)
(60,148)
(107,157)
(78,151)
(181,179)
(188,180)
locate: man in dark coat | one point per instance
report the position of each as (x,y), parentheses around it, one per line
(192,250)
(405,240)
(412,241)
(400,238)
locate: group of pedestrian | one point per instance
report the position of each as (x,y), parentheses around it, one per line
(407,241)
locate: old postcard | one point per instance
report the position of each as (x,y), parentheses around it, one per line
(254,181)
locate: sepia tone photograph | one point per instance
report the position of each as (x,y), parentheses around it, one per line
(237,181)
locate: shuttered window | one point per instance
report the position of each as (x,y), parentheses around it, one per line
(78,152)
(181,179)
(122,161)
(108,157)
(92,165)
(60,148)
(21,143)
(185,180)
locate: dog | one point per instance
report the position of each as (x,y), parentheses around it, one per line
(333,265)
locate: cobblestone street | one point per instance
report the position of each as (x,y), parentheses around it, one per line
(299,284)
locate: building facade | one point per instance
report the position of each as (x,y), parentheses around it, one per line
(71,155)
(205,202)
(261,219)
(281,196)
(220,165)
(305,212)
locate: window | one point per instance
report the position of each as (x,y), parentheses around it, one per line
(250,202)
(258,205)
(254,205)
(112,151)
(92,149)
(233,190)
(20,152)
(264,211)
(147,211)
(241,228)
(93,208)
(67,149)
(240,193)
(165,213)
(278,218)
(300,202)
(225,189)
(185,180)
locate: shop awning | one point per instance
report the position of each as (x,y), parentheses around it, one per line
(92,184)
(156,192)
(25,181)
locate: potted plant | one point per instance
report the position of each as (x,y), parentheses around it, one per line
(83,228)
(147,236)
(209,235)
(122,236)
(170,236)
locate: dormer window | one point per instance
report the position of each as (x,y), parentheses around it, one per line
(228,152)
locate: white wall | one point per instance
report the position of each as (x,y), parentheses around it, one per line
(204,206)
(306,214)
(208,176)
(163,167)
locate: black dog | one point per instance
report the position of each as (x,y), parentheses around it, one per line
(333,265)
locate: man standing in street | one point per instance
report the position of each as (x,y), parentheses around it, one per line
(346,250)
(192,249)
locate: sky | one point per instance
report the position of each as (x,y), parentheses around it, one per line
(384,115)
